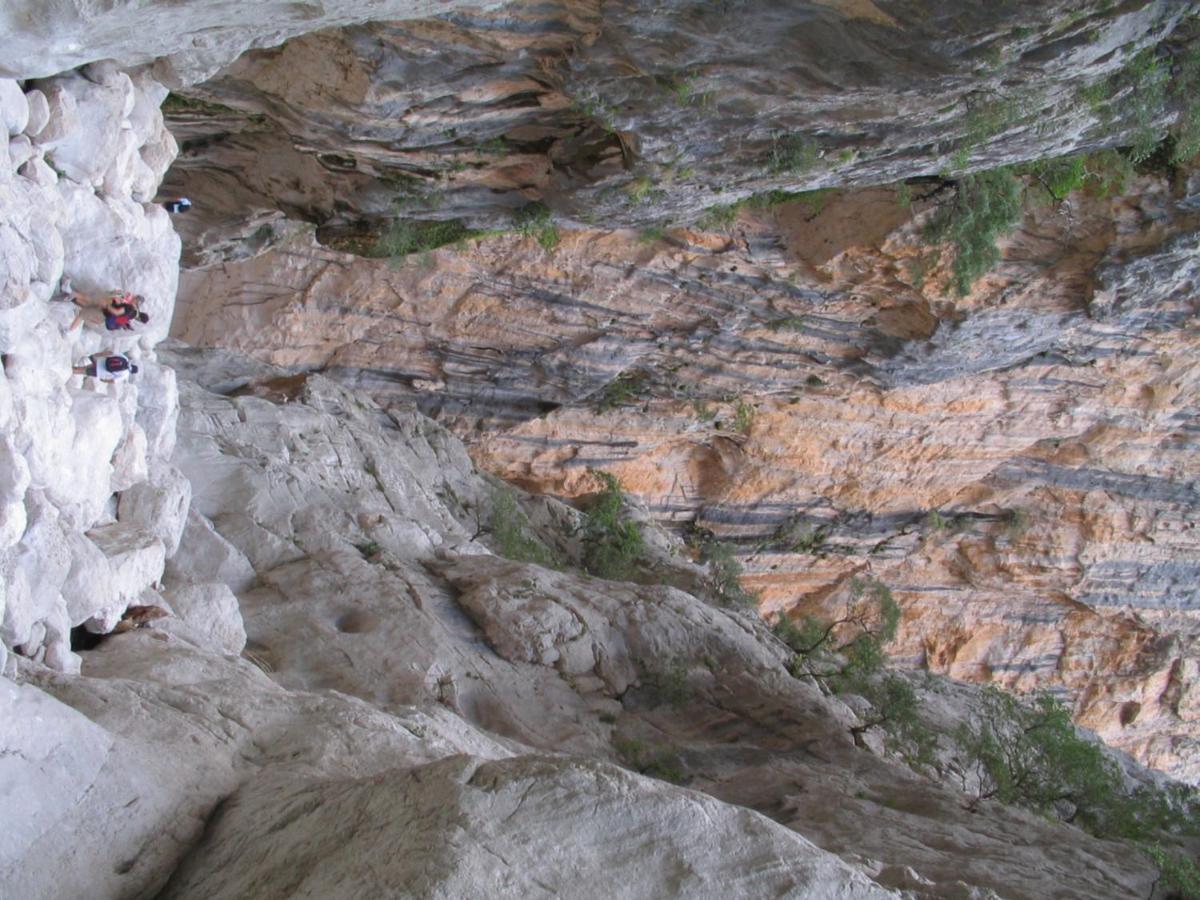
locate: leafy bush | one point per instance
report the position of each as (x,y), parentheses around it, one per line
(407,236)
(659,762)
(743,417)
(612,543)
(624,389)
(509,528)
(1181,873)
(1030,754)
(669,682)
(793,154)
(985,206)
(725,572)
(536,221)
(850,647)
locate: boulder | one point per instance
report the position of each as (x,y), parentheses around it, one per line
(158,505)
(50,755)
(129,467)
(20,150)
(135,560)
(212,612)
(33,572)
(39,172)
(204,556)
(62,116)
(14,481)
(88,151)
(39,112)
(14,108)
(89,584)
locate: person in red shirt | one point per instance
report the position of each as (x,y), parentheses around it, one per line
(114,312)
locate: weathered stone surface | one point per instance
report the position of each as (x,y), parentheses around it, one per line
(14,107)
(466,823)
(197,40)
(135,559)
(643,114)
(204,555)
(159,506)
(212,611)
(1038,431)
(50,755)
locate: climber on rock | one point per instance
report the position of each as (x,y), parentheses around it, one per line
(115,311)
(107,367)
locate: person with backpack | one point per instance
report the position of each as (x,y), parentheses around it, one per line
(114,312)
(112,367)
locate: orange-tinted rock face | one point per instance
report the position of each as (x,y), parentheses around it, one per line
(1017,465)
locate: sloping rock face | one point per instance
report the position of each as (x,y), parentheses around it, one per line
(189,43)
(454,674)
(645,114)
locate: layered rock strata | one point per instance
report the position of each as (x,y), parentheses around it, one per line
(445,717)
(647,114)
(1014,463)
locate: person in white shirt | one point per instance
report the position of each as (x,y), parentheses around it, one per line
(107,367)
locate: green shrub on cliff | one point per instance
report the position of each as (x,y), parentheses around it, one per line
(985,206)
(1028,753)
(511,533)
(612,542)
(844,650)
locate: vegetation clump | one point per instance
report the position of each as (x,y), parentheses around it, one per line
(510,530)
(1029,753)
(724,574)
(986,206)
(659,762)
(612,542)
(407,236)
(846,655)
(536,221)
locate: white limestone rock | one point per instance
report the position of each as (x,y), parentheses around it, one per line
(89,585)
(87,152)
(14,108)
(81,481)
(158,505)
(110,243)
(199,36)
(129,464)
(212,611)
(205,556)
(39,112)
(20,151)
(524,826)
(62,119)
(50,756)
(157,408)
(33,574)
(39,172)
(135,559)
(14,481)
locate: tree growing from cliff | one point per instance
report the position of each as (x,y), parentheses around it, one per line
(612,542)
(985,206)
(1029,753)
(848,647)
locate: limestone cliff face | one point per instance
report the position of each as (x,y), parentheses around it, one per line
(256,637)
(186,42)
(1016,464)
(642,114)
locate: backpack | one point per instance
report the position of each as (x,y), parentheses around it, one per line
(116,364)
(112,323)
